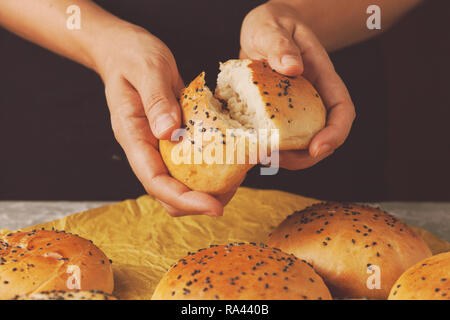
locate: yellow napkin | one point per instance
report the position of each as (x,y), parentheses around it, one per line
(143,240)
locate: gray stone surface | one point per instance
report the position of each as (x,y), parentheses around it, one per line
(434,217)
(21,214)
(431,216)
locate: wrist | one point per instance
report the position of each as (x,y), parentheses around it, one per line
(103,43)
(119,47)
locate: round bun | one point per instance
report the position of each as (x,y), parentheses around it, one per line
(427,280)
(67,295)
(249,96)
(42,260)
(349,245)
(241,272)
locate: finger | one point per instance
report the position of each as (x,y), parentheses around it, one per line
(225,198)
(179,87)
(297,160)
(133,133)
(174,212)
(160,105)
(336,131)
(148,166)
(170,210)
(243,55)
(277,46)
(158,94)
(321,72)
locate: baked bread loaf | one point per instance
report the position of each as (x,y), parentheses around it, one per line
(249,96)
(67,295)
(43,260)
(241,272)
(429,279)
(359,251)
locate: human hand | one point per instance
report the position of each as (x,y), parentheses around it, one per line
(274,31)
(141,84)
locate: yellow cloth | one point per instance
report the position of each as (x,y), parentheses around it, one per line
(143,240)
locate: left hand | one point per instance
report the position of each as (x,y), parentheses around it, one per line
(141,85)
(275,32)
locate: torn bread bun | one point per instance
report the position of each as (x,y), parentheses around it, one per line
(43,260)
(359,251)
(203,115)
(241,271)
(249,96)
(260,98)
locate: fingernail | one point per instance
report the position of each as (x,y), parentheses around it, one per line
(290,61)
(163,123)
(322,150)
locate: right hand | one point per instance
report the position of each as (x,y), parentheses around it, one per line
(275,32)
(141,84)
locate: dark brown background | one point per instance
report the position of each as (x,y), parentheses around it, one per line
(56,140)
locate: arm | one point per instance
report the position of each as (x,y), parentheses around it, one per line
(338,24)
(44,22)
(141,83)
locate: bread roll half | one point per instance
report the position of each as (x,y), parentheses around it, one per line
(260,98)
(250,97)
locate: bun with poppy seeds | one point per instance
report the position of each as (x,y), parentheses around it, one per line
(258,97)
(249,96)
(350,245)
(43,260)
(197,106)
(427,280)
(67,295)
(241,272)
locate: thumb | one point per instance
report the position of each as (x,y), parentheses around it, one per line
(161,106)
(277,46)
(159,100)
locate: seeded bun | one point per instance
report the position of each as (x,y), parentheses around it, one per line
(42,260)
(241,272)
(343,240)
(260,98)
(199,115)
(67,295)
(427,280)
(249,96)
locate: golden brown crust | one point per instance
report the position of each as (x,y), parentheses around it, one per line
(292,103)
(342,240)
(243,272)
(42,260)
(212,178)
(429,279)
(67,295)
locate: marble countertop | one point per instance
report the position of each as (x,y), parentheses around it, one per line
(431,216)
